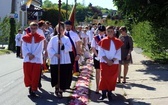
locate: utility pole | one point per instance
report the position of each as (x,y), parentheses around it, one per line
(11,44)
(66,9)
(59,34)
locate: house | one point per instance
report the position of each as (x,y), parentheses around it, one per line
(21,16)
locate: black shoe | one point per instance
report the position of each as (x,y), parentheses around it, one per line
(32,93)
(97,92)
(102,97)
(39,85)
(109,96)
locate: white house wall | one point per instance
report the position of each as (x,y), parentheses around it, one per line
(5,8)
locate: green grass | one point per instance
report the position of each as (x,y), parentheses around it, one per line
(135,45)
(4,51)
(157,58)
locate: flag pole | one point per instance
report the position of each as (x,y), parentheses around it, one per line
(59,33)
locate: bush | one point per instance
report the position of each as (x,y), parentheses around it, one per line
(51,15)
(4,31)
(151,40)
(115,22)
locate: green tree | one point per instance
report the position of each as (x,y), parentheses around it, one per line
(51,14)
(153,11)
(48,4)
(4,31)
(149,23)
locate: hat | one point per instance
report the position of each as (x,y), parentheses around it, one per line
(68,22)
(102,28)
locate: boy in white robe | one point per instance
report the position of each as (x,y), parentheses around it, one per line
(109,54)
(32,48)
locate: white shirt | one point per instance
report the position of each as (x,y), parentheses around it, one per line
(91,35)
(52,49)
(74,36)
(85,37)
(18,39)
(94,43)
(51,35)
(92,30)
(34,48)
(112,53)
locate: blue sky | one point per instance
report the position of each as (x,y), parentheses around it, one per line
(102,3)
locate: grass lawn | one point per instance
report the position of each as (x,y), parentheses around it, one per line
(4,51)
(162,59)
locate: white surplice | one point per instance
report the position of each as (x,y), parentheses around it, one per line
(112,53)
(52,49)
(35,48)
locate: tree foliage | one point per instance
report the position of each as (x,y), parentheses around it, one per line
(51,15)
(150,23)
(4,31)
(154,11)
(83,13)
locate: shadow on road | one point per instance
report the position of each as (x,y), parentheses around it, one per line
(160,71)
(129,85)
(117,99)
(138,102)
(48,98)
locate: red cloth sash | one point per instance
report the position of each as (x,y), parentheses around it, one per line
(37,38)
(105,43)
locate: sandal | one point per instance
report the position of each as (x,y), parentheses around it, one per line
(58,92)
(124,82)
(119,82)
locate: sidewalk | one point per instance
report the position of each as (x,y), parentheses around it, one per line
(146,84)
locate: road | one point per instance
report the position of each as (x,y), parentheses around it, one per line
(13,91)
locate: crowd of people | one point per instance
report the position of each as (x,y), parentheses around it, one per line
(61,50)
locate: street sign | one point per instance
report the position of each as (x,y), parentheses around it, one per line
(15,15)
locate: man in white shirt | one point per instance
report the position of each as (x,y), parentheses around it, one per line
(76,50)
(18,42)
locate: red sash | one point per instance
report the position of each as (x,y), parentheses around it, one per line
(37,38)
(105,43)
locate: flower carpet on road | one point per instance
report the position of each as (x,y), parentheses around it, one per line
(80,95)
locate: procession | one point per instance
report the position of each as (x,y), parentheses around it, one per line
(76,53)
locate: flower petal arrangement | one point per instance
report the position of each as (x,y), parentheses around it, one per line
(80,95)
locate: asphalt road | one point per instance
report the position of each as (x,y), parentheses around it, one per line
(13,91)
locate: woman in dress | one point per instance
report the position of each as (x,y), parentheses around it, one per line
(126,50)
(65,62)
